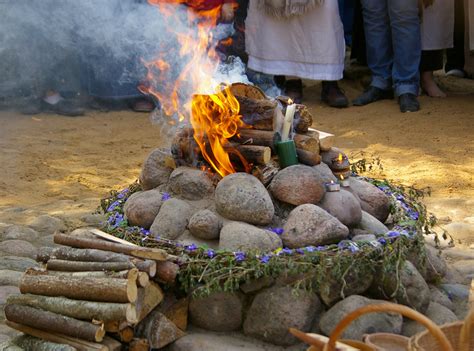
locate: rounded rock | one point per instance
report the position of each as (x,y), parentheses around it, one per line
(311,225)
(325,173)
(239,236)
(371,224)
(15,263)
(46,224)
(297,185)
(19,248)
(156,169)
(190,183)
(205,224)
(372,199)
(142,207)
(241,197)
(19,232)
(344,206)
(439,314)
(172,219)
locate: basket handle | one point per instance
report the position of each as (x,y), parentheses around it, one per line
(465,337)
(388,307)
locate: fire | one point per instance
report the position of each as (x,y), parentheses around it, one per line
(189,92)
(339,158)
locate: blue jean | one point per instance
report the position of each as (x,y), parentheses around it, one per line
(346,10)
(392,30)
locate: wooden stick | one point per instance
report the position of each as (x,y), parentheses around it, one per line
(139,345)
(79,309)
(166,272)
(54,322)
(87,243)
(143,279)
(80,345)
(148,298)
(126,335)
(97,274)
(112,238)
(92,289)
(308,158)
(84,255)
(77,266)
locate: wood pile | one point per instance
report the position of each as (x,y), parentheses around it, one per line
(98,292)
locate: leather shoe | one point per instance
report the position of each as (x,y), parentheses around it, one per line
(408,103)
(294,90)
(372,94)
(63,107)
(333,95)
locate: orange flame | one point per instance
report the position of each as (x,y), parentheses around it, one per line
(339,158)
(214,115)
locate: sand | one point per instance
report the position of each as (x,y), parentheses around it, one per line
(63,165)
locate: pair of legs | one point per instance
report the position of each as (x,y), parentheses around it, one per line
(392,30)
(431,60)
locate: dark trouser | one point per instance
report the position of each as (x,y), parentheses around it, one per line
(455,56)
(431,60)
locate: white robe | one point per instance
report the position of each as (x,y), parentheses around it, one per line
(437,28)
(309,46)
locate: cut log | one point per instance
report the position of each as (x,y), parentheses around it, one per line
(115,326)
(265,173)
(255,137)
(257,112)
(303,119)
(77,266)
(129,274)
(147,266)
(166,272)
(255,154)
(306,143)
(79,309)
(243,89)
(148,298)
(111,344)
(91,289)
(87,243)
(28,342)
(175,310)
(54,322)
(80,345)
(139,345)
(143,279)
(159,330)
(308,158)
(126,334)
(84,255)
(326,140)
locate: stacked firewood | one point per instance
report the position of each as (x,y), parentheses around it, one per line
(96,294)
(256,140)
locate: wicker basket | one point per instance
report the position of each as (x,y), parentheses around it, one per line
(460,334)
(387,341)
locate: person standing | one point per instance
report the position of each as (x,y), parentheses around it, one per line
(392,30)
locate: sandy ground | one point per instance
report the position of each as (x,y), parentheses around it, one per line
(63,166)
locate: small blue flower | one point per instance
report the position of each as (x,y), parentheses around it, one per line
(278,231)
(286,251)
(210,253)
(320,248)
(393,234)
(310,248)
(265,258)
(165,196)
(382,241)
(239,256)
(404,232)
(191,247)
(400,197)
(353,247)
(122,194)
(113,205)
(413,214)
(145,232)
(300,251)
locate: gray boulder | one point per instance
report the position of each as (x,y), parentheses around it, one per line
(141,208)
(6,291)
(325,173)
(372,199)
(191,183)
(188,239)
(366,324)
(46,224)
(172,219)
(15,263)
(205,224)
(297,185)
(440,297)
(364,237)
(19,232)
(311,225)
(411,290)
(236,236)
(371,224)
(156,169)
(9,277)
(344,206)
(276,309)
(436,312)
(220,311)
(461,231)
(242,197)
(436,266)
(19,248)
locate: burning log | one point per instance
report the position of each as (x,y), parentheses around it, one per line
(255,154)
(257,112)
(85,310)
(45,320)
(76,266)
(308,158)
(91,289)
(89,243)
(255,137)
(265,173)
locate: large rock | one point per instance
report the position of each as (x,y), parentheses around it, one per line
(436,266)
(188,239)
(15,263)
(156,169)
(440,297)
(242,197)
(372,199)
(311,225)
(366,324)
(9,277)
(19,248)
(325,173)
(371,224)
(344,206)
(439,314)
(6,291)
(297,185)
(172,219)
(205,224)
(46,224)
(461,231)
(411,290)
(141,208)
(19,232)
(239,236)
(221,311)
(276,309)
(191,183)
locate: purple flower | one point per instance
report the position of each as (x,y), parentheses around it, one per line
(320,248)
(286,251)
(210,253)
(399,197)
(353,247)
(145,232)
(382,241)
(265,258)
(278,231)
(310,248)
(300,251)
(122,194)
(165,196)
(191,247)
(413,214)
(113,205)
(393,234)
(239,256)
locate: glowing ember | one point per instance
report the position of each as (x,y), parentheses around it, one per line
(339,158)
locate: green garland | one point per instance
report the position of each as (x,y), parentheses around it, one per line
(203,270)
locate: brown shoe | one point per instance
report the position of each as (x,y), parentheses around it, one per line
(294,90)
(333,95)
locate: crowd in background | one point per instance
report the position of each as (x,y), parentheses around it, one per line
(285,42)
